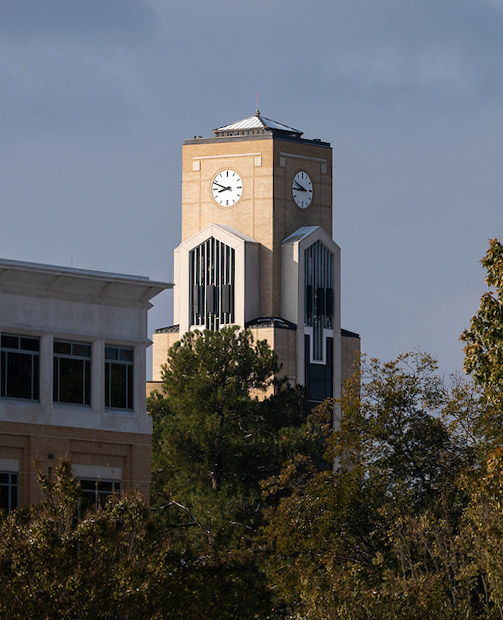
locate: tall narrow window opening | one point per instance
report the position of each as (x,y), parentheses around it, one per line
(318,294)
(319,377)
(119,364)
(8,491)
(212,272)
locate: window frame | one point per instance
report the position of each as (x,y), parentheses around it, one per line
(128,365)
(7,351)
(12,487)
(86,385)
(100,495)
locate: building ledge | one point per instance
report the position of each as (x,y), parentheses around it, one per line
(345,333)
(275,322)
(170,329)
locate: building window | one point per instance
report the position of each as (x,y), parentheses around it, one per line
(319,378)
(212,268)
(95,492)
(19,375)
(318,294)
(8,491)
(72,372)
(119,377)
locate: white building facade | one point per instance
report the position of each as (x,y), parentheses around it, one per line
(72,379)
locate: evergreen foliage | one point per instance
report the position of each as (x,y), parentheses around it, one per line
(223,425)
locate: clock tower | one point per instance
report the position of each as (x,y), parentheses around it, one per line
(257,250)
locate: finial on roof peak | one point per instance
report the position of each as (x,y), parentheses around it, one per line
(257,113)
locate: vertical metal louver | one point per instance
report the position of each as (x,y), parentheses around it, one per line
(318,293)
(212,268)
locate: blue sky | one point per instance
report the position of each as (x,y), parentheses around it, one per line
(97,96)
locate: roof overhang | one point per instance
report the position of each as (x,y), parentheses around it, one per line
(93,286)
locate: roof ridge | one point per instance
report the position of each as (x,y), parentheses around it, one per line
(258,121)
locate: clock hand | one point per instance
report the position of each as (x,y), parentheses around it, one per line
(215,183)
(302,189)
(224,189)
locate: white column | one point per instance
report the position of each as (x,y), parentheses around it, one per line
(139,379)
(98,376)
(46,365)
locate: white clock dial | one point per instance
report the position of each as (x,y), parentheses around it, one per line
(226,188)
(302,189)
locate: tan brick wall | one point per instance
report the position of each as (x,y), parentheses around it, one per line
(162,342)
(252,214)
(33,444)
(152,386)
(266,211)
(317,162)
(283,342)
(350,353)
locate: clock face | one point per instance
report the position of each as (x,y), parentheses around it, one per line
(226,188)
(302,189)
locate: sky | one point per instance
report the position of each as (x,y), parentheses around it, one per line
(97,97)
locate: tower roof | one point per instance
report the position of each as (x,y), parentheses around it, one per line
(256,124)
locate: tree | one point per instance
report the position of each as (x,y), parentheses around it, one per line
(379,538)
(57,561)
(484,339)
(114,562)
(484,361)
(225,424)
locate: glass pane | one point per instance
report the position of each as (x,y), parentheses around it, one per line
(96,492)
(130,387)
(4,498)
(10,342)
(30,344)
(105,486)
(88,485)
(19,376)
(118,389)
(36,376)
(8,491)
(71,381)
(82,350)
(87,383)
(55,380)
(2,374)
(88,499)
(62,347)
(126,355)
(107,385)
(111,353)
